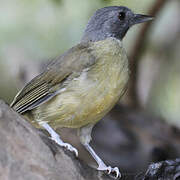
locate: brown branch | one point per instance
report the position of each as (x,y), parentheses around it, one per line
(27,153)
(138,51)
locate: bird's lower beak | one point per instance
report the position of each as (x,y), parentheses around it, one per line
(140,18)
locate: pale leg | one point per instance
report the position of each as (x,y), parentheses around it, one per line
(85,138)
(55,137)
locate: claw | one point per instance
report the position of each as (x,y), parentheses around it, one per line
(66,145)
(110,170)
(71,148)
(116,170)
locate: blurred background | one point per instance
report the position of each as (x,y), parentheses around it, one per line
(32,32)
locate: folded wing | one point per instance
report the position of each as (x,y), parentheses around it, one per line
(46,85)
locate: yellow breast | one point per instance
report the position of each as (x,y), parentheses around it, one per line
(89,97)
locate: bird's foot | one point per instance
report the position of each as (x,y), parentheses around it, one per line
(66,145)
(111,171)
(71,148)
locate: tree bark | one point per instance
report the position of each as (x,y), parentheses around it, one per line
(28,154)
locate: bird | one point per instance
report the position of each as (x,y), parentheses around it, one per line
(79,87)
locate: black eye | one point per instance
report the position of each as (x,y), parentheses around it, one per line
(121,16)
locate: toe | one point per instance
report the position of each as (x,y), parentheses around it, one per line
(72,149)
(117,173)
(109,169)
(75,151)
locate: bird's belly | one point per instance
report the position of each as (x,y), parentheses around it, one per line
(77,111)
(84,102)
(87,98)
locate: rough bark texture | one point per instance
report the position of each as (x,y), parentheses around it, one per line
(165,170)
(28,154)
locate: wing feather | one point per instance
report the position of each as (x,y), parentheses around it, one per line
(46,85)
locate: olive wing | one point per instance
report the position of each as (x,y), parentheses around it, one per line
(48,84)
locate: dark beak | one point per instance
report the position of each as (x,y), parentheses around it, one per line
(140,18)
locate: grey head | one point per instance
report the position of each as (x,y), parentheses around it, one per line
(112,21)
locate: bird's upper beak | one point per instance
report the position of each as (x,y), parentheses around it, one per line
(140,18)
